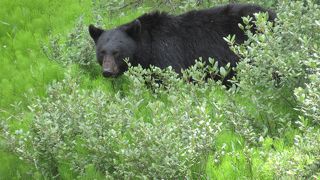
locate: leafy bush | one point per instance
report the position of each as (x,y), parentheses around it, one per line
(274,64)
(143,135)
(76,48)
(309,97)
(301,161)
(278,75)
(309,94)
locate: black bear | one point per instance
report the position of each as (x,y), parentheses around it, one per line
(163,40)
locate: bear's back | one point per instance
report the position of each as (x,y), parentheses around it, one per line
(179,40)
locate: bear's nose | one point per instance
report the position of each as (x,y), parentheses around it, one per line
(107,73)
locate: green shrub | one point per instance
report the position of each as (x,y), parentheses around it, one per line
(309,97)
(76,48)
(279,80)
(273,64)
(142,135)
(301,161)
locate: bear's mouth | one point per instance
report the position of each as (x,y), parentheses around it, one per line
(108,74)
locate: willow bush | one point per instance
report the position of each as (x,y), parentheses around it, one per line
(141,135)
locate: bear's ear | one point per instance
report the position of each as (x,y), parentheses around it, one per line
(95,33)
(133,29)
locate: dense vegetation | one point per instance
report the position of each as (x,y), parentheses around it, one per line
(60,119)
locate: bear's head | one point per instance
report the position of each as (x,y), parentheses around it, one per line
(113,46)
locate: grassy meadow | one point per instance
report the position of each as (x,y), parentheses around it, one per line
(60,119)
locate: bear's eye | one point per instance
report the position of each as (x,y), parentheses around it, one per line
(102,52)
(115,53)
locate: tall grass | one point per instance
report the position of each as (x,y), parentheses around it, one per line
(25,70)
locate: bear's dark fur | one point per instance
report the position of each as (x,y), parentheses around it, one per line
(163,40)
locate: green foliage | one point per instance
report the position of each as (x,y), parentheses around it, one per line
(309,97)
(23,68)
(25,71)
(76,48)
(274,64)
(301,161)
(279,74)
(135,136)
(309,94)
(150,123)
(14,168)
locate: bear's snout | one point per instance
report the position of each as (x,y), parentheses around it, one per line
(108,74)
(110,68)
